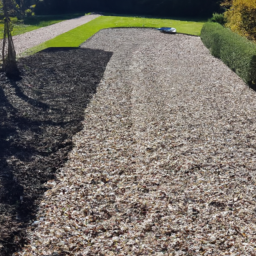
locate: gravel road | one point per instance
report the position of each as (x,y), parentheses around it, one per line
(165,164)
(33,38)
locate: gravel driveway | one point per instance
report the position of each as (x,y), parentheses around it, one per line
(165,164)
(33,38)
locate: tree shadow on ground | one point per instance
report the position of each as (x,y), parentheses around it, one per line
(38,117)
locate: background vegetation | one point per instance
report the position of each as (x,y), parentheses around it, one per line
(241,17)
(235,51)
(188,8)
(142,7)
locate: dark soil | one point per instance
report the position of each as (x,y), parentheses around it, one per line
(39,114)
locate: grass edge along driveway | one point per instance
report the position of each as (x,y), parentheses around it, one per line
(35,22)
(77,36)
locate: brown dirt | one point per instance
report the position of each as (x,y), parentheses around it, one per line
(39,114)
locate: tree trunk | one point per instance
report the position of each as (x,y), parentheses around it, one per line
(8,50)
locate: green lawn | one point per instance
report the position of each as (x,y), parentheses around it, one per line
(35,22)
(77,36)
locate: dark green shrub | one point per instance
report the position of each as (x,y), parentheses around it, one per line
(163,8)
(235,51)
(41,8)
(219,18)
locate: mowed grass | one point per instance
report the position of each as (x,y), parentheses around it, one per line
(77,36)
(35,22)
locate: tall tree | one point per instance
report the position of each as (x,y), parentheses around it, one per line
(8,50)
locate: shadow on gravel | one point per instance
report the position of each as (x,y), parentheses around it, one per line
(38,117)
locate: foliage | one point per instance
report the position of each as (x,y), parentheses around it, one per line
(185,8)
(77,36)
(18,7)
(241,17)
(234,50)
(219,18)
(1,10)
(28,13)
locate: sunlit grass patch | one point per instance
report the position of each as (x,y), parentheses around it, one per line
(77,36)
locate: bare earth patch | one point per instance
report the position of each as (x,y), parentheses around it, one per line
(165,163)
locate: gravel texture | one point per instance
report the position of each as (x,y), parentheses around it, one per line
(39,115)
(33,38)
(165,163)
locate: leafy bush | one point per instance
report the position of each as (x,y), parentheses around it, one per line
(14,19)
(40,8)
(241,17)
(167,8)
(28,13)
(235,51)
(219,18)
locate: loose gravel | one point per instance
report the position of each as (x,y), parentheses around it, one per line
(33,38)
(165,163)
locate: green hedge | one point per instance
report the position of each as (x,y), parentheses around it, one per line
(235,51)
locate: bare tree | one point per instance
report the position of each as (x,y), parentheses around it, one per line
(8,50)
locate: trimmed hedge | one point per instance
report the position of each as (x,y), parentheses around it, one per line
(235,51)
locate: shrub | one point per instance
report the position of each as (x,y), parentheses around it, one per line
(14,19)
(28,13)
(241,17)
(180,8)
(235,51)
(40,8)
(219,18)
